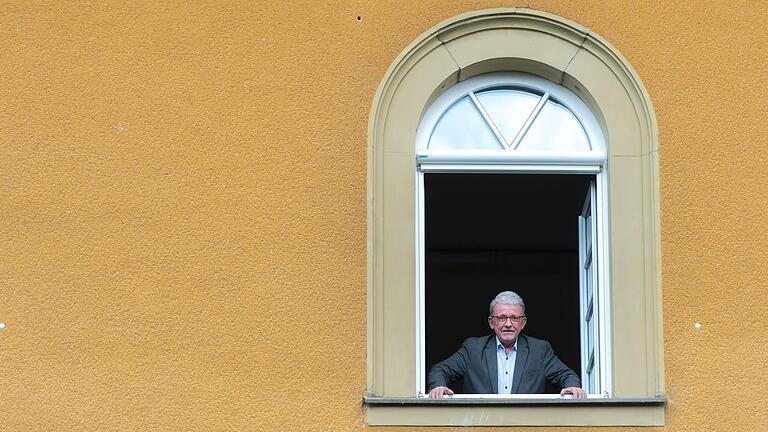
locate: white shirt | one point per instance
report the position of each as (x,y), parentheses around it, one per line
(505,365)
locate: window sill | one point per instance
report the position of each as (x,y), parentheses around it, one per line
(469,411)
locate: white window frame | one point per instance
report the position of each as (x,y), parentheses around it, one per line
(512,161)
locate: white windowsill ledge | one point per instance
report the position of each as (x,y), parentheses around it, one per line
(515,411)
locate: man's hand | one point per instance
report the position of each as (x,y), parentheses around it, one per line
(440,391)
(577,392)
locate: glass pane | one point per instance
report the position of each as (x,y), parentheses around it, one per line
(508,109)
(590,341)
(462,127)
(590,290)
(557,129)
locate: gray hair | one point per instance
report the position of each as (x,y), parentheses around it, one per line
(507,298)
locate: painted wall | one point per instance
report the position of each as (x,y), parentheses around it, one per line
(183,206)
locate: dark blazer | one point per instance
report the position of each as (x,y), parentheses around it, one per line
(535,364)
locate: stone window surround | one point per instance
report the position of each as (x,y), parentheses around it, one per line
(542,44)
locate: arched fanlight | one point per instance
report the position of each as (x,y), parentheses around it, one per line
(510,117)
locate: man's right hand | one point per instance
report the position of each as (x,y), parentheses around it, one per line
(440,391)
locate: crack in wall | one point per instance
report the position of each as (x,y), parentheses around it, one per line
(578,50)
(450,54)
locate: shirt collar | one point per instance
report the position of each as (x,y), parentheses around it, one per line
(499,345)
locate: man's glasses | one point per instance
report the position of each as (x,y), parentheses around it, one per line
(501,319)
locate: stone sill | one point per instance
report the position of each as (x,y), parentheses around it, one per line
(518,411)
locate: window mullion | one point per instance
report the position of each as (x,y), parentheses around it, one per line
(516,142)
(488,120)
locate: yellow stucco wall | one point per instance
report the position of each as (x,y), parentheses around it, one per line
(183,207)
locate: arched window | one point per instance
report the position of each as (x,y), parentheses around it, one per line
(456,103)
(513,124)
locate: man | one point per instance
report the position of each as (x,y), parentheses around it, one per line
(505,362)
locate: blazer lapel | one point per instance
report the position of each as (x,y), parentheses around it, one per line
(490,360)
(520,359)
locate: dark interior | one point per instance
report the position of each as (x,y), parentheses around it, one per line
(487,233)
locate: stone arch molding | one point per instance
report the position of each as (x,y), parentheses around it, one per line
(542,44)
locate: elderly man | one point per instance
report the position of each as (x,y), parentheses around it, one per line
(505,362)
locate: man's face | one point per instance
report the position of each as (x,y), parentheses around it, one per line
(507,330)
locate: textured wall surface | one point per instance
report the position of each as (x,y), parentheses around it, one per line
(183,206)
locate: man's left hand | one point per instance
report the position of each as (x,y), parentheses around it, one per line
(577,392)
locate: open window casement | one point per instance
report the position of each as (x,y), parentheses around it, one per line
(593,346)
